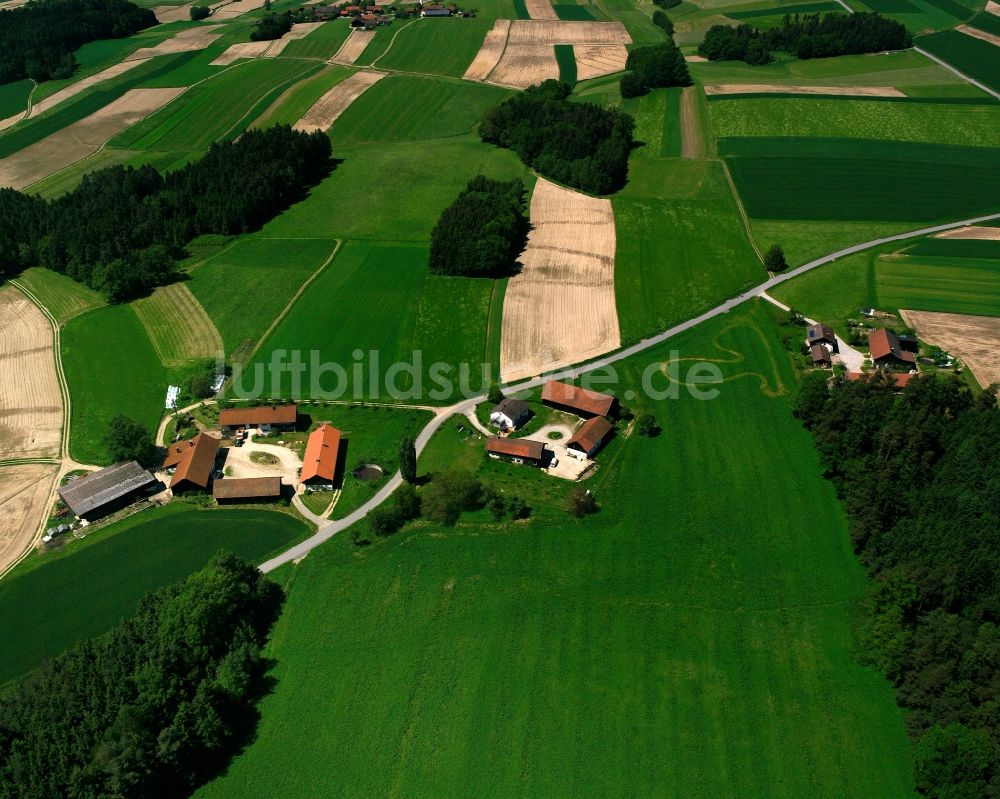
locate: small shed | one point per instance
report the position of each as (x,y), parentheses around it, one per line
(516,450)
(590,438)
(247,489)
(262,416)
(821,355)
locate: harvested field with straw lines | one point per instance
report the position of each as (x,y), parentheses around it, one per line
(235,52)
(976,232)
(352,49)
(332,104)
(489,54)
(178,326)
(975,33)
(531,31)
(524,65)
(298,31)
(595,60)
(560,309)
(24,494)
(30,402)
(184,42)
(974,339)
(75,142)
(540,9)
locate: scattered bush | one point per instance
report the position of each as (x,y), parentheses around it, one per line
(577,144)
(482,232)
(661,20)
(581,503)
(153,708)
(659,66)
(128,440)
(667,3)
(198,13)
(271,26)
(495,395)
(450,493)
(774,259)
(501,506)
(808,36)
(646,425)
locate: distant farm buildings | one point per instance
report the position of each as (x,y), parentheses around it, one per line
(435,10)
(319,464)
(192,462)
(517,450)
(247,489)
(102,492)
(263,417)
(578,401)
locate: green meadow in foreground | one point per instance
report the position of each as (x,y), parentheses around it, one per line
(691,640)
(57,599)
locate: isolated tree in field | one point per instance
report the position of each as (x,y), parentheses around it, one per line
(199,13)
(581,503)
(774,259)
(408,459)
(128,440)
(646,424)
(495,394)
(450,493)
(384,521)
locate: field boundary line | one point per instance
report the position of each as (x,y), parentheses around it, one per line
(506,44)
(287,86)
(392,41)
(962,75)
(743,214)
(297,552)
(285,311)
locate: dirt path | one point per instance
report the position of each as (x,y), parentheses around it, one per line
(692,133)
(977,232)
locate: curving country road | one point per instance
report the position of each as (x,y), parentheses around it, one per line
(324,534)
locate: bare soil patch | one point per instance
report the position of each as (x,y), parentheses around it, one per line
(595,60)
(167,14)
(299,31)
(692,136)
(560,309)
(64,94)
(993,8)
(24,496)
(540,9)
(489,54)
(331,105)
(75,142)
(352,48)
(235,52)
(695,59)
(531,31)
(774,88)
(30,402)
(524,65)
(184,42)
(178,325)
(237,9)
(972,232)
(975,33)
(974,339)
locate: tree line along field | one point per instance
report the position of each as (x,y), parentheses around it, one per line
(113,569)
(690,653)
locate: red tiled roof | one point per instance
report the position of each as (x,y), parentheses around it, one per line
(883,343)
(579,398)
(322,449)
(176,453)
(516,448)
(591,434)
(197,461)
(820,352)
(262,414)
(901,380)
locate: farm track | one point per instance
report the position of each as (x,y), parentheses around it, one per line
(300,550)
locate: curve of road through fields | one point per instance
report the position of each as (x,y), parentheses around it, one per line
(300,550)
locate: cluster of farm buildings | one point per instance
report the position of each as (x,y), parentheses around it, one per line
(888,351)
(372,15)
(193,465)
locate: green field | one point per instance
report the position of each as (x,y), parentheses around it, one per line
(796,8)
(322,43)
(111,369)
(951,285)
(682,247)
(245,287)
(657,123)
(704,654)
(436,46)
(14,97)
(574,11)
(453,319)
(932,123)
(219,108)
(858,180)
(806,241)
(974,57)
(58,599)
(835,292)
(567,63)
(922,15)
(292,104)
(62,296)
(422,108)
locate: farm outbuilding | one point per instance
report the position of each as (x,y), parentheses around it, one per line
(516,450)
(902,380)
(107,490)
(247,489)
(886,349)
(510,414)
(261,416)
(821,355)
(319,464)
(821,334)
(193,466)
(578,401)
(590,438)
(434,10)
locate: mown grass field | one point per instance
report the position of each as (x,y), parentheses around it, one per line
(436,46)
(922,15)
(14,97)
(974,57)
(657,123)
(691,640)
(322,43)
(682,247)
(422,108)
(950,285)
(857,180)
(112,369)
(62,296)
(220,108)
(835,292)
(177,325)
(292,104)
(567,63)
(852,118)
(245,287)
(58,599)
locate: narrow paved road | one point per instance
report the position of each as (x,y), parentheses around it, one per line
(303,548)
(962,75)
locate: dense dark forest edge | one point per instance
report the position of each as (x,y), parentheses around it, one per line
(37,41)
(153,708)
(576,144)
(658,66)
(121,230)
(919,476)
(808,36)
(481,233)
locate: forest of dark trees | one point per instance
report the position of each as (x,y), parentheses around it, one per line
(481,233)
(576,144)
(271,26)
(153,708)
(806,36)
(658,66)
(919,476)
(121,229)
(38,40)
